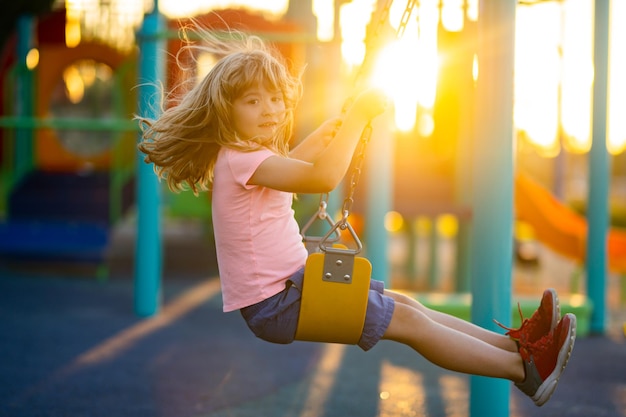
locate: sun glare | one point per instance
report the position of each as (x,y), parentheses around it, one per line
(186,8)
(407,68)
(113,22)
(72,28)
(616,140)
(537,76)
(554,77)
(452,15)
(354,17)
(75,87)
(32,58)
(324,10)
(553,56)
(577,76)
(399,82)
(411,84)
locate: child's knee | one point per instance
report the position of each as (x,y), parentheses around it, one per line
(406,323)
(403,298)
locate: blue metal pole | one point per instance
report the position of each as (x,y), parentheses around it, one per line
(23,155)
(148,255)
(492,238)
(379,202)
(599,174)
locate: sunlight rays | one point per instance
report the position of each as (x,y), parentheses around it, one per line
(553,73)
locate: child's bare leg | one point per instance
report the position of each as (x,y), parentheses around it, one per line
(450,348)
(495,339)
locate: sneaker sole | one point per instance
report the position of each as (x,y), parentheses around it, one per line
(547,388)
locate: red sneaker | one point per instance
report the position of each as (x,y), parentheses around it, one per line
(545,360)
(542,322)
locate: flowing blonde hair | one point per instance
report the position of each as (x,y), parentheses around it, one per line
(183,142)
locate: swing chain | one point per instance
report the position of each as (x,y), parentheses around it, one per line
(357,163)
(357,169)
(366,135)
(406,15)
(373,34)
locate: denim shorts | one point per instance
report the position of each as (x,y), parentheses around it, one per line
(275,319)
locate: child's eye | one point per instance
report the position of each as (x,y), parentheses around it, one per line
(253,101)
(277,98)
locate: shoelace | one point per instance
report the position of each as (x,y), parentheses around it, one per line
(516,333)
(537,347)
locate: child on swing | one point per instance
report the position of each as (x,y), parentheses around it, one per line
(231,132)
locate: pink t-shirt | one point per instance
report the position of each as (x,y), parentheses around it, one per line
(256,235)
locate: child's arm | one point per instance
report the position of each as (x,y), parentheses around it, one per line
(322,174)
(310,148)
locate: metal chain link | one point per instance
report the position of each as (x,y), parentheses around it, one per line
(357,162)
(359,156)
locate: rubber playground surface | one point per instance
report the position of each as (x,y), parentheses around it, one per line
(72,346)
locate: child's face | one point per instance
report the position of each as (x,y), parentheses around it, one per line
(258,112)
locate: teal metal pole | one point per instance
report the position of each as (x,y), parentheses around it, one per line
(412,247)
(379,201)
(433,264)
(465,145)
(148,255)
(463,257)
(492,238)
(23,155)
(599,174)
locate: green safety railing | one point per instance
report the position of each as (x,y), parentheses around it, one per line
(91,124)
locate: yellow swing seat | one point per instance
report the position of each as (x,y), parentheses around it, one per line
(334,295)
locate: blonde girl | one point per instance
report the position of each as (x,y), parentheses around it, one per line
(231,133)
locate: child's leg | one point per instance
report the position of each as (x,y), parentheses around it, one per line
(449,347)
(495,339)
(544,345)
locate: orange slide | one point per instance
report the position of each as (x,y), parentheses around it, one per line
(561,228)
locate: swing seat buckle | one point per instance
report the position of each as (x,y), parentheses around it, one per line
(338,266)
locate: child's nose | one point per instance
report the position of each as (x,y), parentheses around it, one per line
(269,107)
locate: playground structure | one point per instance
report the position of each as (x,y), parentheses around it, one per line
(488,214)
(62,195)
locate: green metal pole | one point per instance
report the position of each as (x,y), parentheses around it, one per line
(492,239)
(148,256)
(599,174)
(24,98)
